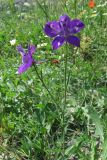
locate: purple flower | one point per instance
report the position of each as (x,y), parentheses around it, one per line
(27,59)
(63,30)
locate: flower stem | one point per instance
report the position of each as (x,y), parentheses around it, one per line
(65,102)
(44,85)
(43,8)
(75,7)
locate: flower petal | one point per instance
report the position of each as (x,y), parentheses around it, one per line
(57,42)
(64,19)
(21,50)
(73,40)
(91,4)
(24,67)
(75,26)
(31,49)
(64,23)
(52,28)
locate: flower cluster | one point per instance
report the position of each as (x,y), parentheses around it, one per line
(62,31)
(27,59)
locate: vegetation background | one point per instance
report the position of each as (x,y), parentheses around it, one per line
(30,122)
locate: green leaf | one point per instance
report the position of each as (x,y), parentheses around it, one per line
(104,153)
(96,120)
(74,148)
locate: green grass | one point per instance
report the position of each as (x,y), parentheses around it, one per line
(31,122)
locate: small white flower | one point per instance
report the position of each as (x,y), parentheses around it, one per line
(8,12)
(16,72)
(94,11)
(45,36)
(26,4)
(99,5)
(94,15)
(41,45)
(104,14)
(30,82)
(13,42)
(102,5)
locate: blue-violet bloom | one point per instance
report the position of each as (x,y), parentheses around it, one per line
(63,30)
(27,59)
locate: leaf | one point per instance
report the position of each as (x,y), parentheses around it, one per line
(104,153)
(40,105)
(96,120)
(93,145)
(74,148)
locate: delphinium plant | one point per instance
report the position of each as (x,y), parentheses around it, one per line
(63,31)
(36,123)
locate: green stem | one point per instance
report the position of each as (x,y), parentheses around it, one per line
(65,102)
(41,134)
(44,85)
(43,9)
(69,72)
(75,6)
(101,17)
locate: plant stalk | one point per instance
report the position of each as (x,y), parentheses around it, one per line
(65,102)
(44,85)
